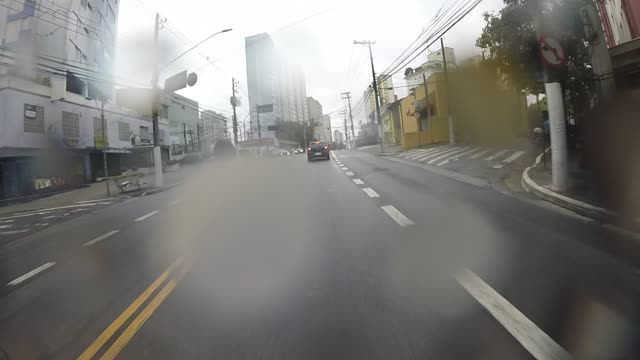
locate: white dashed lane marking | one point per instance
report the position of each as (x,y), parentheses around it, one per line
(144,217)
(349,173)
(358,181)
(370,192)
(396,215)
(529,335)
(30,274)
(100,238)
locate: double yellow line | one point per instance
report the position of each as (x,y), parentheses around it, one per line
(179,269)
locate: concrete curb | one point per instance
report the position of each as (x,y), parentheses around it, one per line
(579,207)
(158,189)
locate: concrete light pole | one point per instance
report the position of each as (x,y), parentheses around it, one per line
(375,90)
(155,93)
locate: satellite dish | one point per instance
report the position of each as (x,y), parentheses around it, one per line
(192,79)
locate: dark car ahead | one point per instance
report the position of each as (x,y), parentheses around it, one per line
(318,150)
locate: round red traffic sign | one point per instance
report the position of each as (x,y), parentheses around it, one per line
(552,51)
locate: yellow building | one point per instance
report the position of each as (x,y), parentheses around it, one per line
(424,121)
(484,111)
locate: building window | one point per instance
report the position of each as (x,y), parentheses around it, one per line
(123,131)
(13,31)
(97,127)
(33,119)
(161,137)
(144,133)
(70,124)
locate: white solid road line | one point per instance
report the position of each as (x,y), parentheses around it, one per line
(31,274)
(92,201)
(435,152)
(358,181)
(511,158)
(477,155)
(432,152)
(370,192)
(448,154)
(457,156)
(143,217)
(529,335)
(499,153)
(440,153)
(349,173)
(418,153)
(396,215)
(100,238)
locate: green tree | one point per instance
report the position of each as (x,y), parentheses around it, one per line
(511,40)
(295,131)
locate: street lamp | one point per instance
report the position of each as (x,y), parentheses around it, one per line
(194,46)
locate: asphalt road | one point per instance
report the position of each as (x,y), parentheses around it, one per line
(363,258)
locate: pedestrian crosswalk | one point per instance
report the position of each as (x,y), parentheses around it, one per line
(446,154)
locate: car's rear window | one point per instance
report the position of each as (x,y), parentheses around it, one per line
(317,146)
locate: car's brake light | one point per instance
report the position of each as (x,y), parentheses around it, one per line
(309,149)
(326,147)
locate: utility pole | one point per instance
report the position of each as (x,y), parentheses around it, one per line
(555,106)
(375,90)
(104,146)
(347,96)
(258,121)
(157,154)
(347,141)
(184,132)
(198,136)
(234,103)
(452,138)
(304,127)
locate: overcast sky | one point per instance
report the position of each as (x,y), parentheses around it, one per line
(317,34)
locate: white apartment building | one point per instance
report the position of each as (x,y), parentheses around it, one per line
(55,73)
(338,136)
(323,129)
(46,136)
(387,96)
(273,80)
(291,93)
(75,37)
(415,76)
(315,109)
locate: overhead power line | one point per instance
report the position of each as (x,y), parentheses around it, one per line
(51,22)
(64,17)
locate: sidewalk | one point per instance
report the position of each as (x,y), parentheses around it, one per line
(500,167)
(579,197)
(95,191)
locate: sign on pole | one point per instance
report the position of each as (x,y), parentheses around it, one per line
(552,51)
(264,108)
